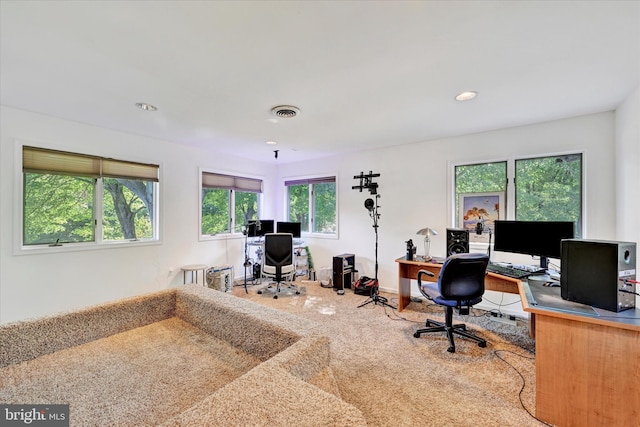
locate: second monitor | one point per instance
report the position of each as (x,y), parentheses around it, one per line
(260,227)
(289,227)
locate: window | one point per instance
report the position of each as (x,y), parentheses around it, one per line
(77,198)
(312,202)
(545,188)
(480,178)
(549,189)
(228,202)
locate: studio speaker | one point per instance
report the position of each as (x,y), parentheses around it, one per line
(457,241)
(599,273)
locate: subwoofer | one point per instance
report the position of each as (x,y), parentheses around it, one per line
(457,241)
(599,273)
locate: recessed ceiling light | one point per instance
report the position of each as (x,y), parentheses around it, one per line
(466,96)
(271,143)
(146,107)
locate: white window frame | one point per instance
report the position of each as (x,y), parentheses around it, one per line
(18,219)
(311,204)
(236,231)
(510,196)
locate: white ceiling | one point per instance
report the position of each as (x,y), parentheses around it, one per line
(364,74)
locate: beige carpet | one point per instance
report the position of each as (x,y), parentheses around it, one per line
(398,380)
(120,380)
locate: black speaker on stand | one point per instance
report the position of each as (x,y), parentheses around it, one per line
(457,241)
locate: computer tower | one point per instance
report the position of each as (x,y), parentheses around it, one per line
(457,241)
(598,273)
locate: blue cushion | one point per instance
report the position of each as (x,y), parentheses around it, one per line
(431,289)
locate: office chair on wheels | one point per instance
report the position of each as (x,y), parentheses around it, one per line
(278,261)
(460,285)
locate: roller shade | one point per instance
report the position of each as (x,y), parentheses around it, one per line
(230,182)
(59,162)
(324,180)
(40,160)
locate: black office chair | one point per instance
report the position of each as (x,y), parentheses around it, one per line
(278,261)
(460,285)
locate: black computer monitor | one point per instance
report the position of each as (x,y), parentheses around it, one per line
(535,238)
(294,228)
(260,227)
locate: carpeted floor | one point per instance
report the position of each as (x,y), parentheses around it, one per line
(169,361)
(396,379)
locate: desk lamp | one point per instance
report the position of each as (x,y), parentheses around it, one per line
(427,233)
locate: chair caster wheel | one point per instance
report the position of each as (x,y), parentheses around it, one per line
(297,292)
(451,349)
(482,344)
(416,335)
(259,292)
(275,297)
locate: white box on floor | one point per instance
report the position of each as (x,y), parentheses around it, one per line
(220,278)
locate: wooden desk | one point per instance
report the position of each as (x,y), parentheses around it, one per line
(408,270)
(587,367)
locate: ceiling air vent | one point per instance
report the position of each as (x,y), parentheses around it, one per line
(285,111)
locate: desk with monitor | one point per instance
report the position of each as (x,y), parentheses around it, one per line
(408,270)
(587,360)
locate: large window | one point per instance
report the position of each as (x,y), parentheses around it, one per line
(545,188)
(228,202)
(549,189)
(312,202)
(76,198)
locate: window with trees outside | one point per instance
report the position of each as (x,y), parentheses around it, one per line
(546,188)
(77,198)
(312,202)
(228,203)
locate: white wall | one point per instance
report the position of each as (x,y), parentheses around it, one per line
(35,285)
(415,187)
(627,173)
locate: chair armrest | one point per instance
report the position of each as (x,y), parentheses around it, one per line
(421,273)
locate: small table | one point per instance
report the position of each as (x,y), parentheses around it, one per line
(194,268)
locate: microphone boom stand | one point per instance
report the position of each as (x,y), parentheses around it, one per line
(247,261)
(375,297)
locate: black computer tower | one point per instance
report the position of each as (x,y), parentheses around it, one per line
(597,273)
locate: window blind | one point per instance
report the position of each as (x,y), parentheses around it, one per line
(323,180)
(41,160)
(230,182)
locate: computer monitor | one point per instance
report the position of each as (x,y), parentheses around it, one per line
(289,227)
(535,238)
(260,227)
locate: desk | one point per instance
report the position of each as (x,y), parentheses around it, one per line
(587,366)
(408,270)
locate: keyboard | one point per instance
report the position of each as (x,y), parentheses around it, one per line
(515,272)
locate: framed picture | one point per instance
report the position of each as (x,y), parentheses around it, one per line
(478,211)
